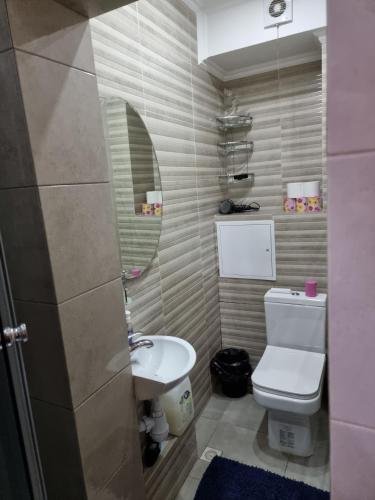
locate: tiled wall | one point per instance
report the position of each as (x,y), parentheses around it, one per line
(152,64)
(56,189)
(57,224)
(178,102)
(351,181)
(146,53)
(287,134)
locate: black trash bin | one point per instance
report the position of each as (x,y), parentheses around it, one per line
(232,368)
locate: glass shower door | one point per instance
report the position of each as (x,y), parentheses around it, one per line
(20,471)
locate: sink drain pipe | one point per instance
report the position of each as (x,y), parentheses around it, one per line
(156,425)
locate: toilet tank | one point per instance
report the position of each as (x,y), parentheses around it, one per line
(295,320)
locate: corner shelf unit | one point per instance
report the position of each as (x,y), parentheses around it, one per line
(234,121)
(236,147)
(236,178)
(232,146)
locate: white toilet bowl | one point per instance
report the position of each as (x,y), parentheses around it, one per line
(289,380)
(289,377)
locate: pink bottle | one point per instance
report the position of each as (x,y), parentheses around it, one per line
(310,288)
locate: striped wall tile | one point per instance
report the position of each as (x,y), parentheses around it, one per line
(146,301)
(133,172)
(153,66)
(165,479)
(289,147)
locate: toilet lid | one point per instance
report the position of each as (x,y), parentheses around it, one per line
(290,372)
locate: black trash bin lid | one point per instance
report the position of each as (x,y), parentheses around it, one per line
(231,362)
(232,356)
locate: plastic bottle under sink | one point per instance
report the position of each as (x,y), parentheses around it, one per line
(178,407)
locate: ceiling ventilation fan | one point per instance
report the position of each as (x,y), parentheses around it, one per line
(277,12)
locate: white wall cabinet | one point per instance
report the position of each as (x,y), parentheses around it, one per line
(246,249)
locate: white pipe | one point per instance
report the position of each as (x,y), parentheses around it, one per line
(160,430)
(157,424)
(146,424)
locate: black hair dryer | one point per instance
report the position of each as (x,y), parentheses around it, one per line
(227,207)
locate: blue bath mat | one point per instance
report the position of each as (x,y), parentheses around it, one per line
(229,480)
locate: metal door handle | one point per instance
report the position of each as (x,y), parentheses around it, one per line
(17,334)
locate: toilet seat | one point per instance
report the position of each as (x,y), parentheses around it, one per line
(289,373)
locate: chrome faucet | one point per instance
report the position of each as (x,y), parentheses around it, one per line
(133,346)
(140,343)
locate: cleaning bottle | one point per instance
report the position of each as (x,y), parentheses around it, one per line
(178,407)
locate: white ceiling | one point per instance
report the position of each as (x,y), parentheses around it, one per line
(258,57)
(266,53)
(206,5)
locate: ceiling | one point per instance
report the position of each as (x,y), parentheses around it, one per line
(206,5)
(296,49)
(92,8)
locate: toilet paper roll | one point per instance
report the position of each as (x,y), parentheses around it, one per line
(154,197)
(311,189)
(295,189)
(301,205)
(289,205)
(314,204)
(147,209)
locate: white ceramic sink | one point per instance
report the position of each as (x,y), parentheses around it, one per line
(159,368)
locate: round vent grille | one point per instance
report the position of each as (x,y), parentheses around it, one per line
(277,8)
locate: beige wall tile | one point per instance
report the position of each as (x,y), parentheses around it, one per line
(124,485)
(95,338)
(95,344)
(15,153)
(50,30)
(109,415)
(93,8)
(64,121)
(5,38)
(26,245)
(58,445)
(287,134)
(146,301)
(81,239)
(44,353)
(164,481)
(178,104)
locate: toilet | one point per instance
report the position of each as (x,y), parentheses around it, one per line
(289,377)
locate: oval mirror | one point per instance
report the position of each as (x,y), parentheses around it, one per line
(136,186)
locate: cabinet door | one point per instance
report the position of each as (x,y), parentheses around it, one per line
(247,249)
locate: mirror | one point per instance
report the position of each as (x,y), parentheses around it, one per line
(136,186)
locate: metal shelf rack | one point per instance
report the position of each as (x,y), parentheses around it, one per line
(234,150)
(234,121)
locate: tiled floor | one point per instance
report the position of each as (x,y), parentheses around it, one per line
(238,427)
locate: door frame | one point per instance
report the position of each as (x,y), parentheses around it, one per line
(19,387)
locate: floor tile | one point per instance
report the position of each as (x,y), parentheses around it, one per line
(312,470)
(199,469)
(204,428)
(216,407)
(239,428)
(210,453)
(322,427)
(245,412)
(248,447)
(188,490)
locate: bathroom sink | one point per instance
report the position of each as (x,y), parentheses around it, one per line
(160,368)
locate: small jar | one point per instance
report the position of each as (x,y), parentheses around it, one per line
(311,288)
